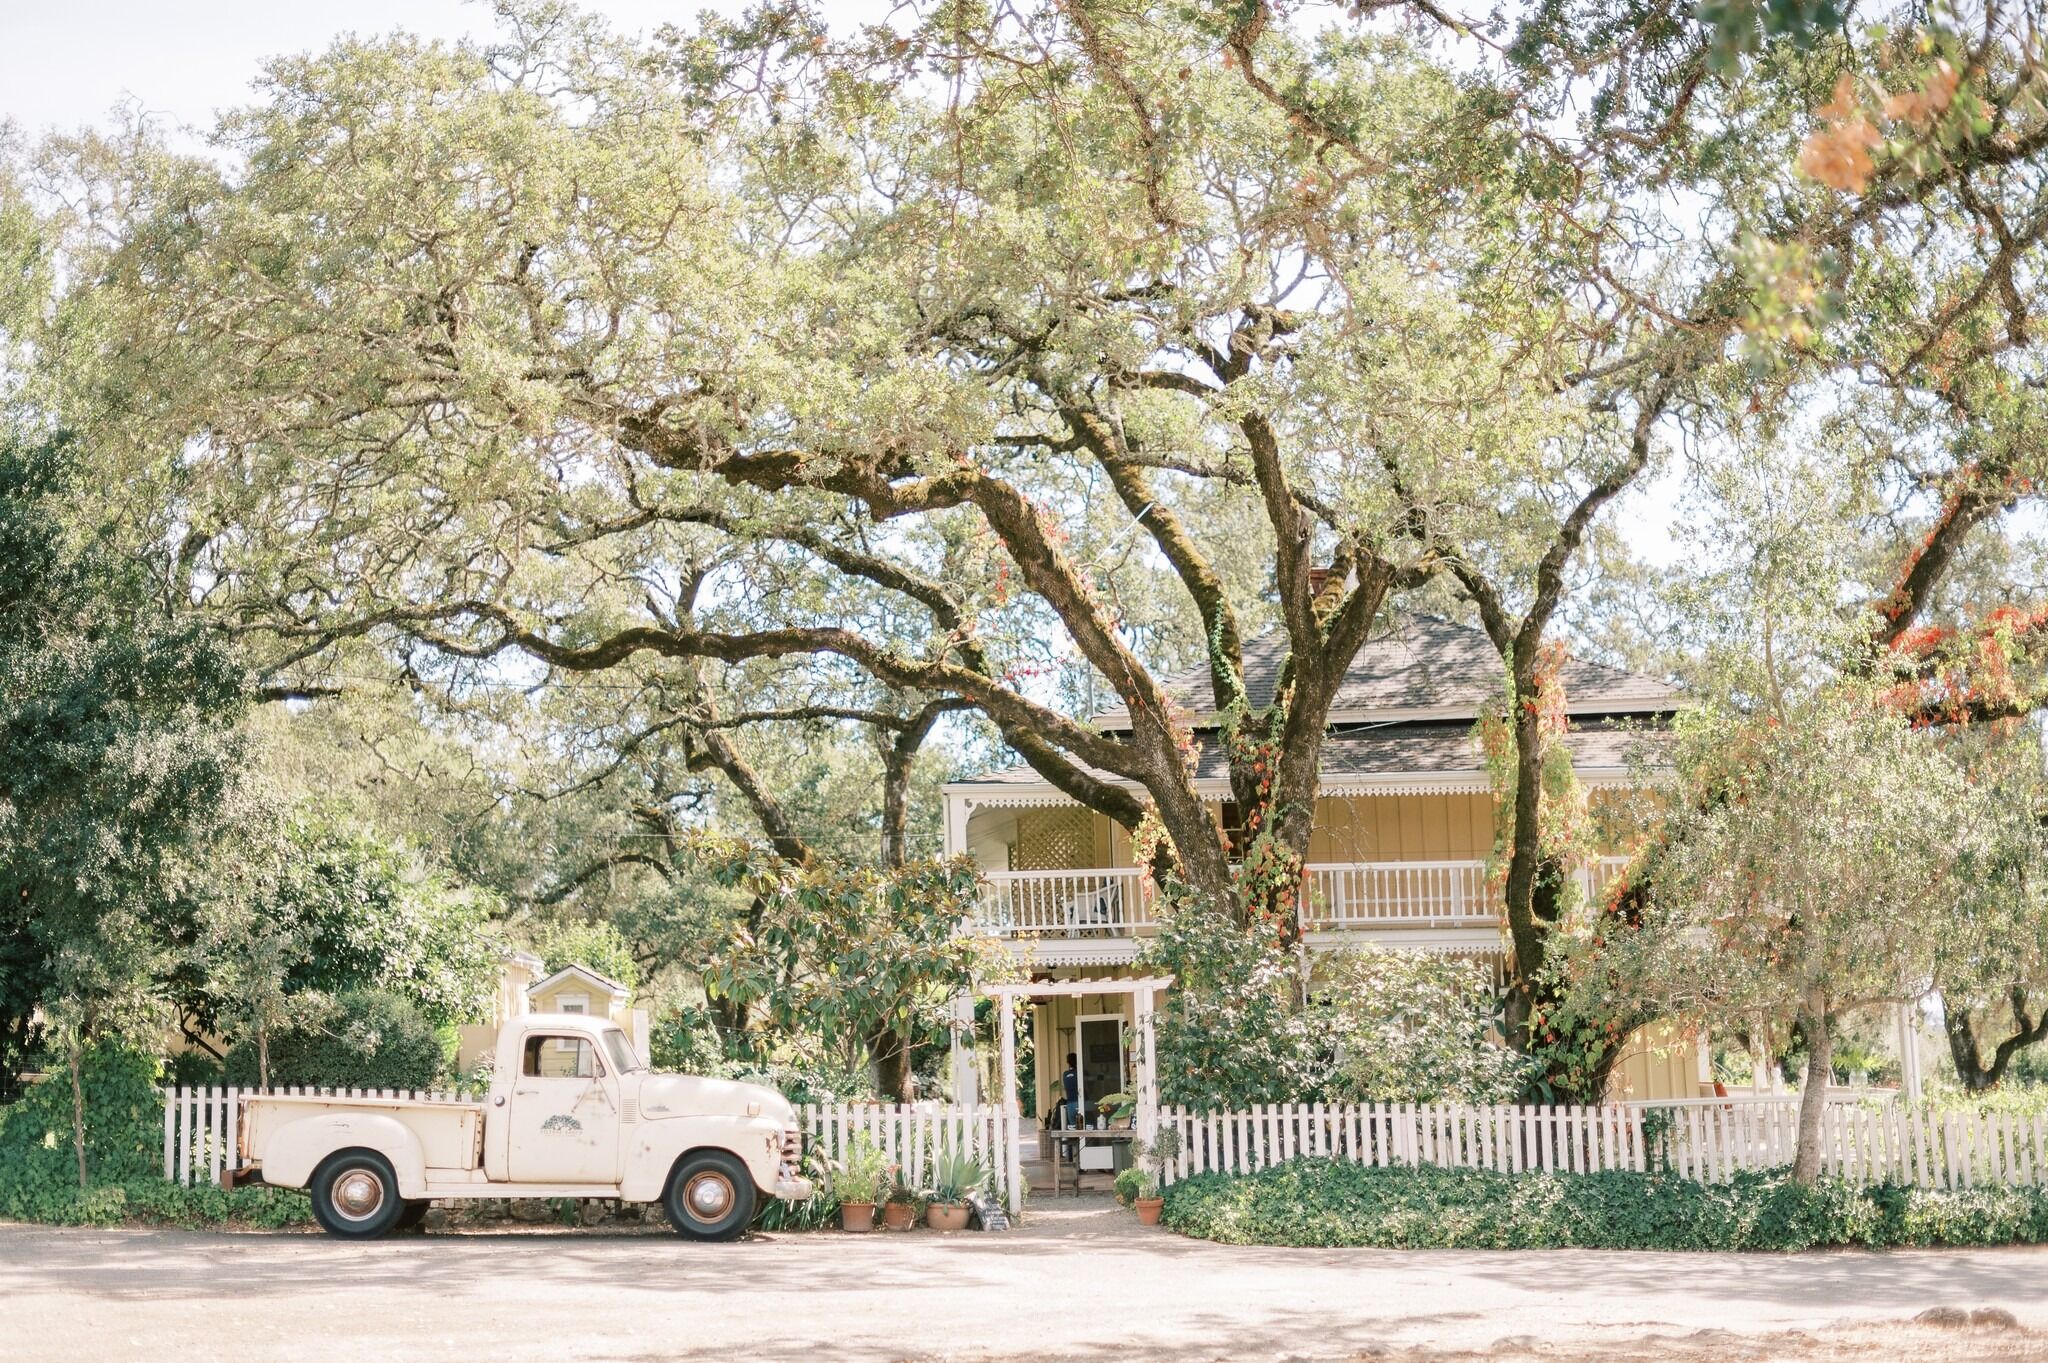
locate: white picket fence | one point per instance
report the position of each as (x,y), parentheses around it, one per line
(1508,1139)
(1708,1140)
(201,1127)
(912,1136)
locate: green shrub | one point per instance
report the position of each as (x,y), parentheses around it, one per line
(123,1134)
(1130,1185)
(124,1124)
(1316,1202)
(369,1038)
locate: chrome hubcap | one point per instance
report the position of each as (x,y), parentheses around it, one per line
(358,1194)
(708,1196)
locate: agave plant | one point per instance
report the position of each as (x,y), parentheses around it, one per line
(955,1175)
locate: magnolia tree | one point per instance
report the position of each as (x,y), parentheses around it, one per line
(1813,866)
(867,960)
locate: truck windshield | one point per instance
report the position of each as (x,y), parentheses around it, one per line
(621,1051)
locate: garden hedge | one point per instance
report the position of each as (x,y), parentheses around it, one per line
(124,1123)
(1316,1202)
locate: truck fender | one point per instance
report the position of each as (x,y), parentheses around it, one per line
(298,1148)
(654,1148)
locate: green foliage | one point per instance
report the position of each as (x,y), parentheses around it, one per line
(861,1174)
(955,1175)
(1230,1033)
(366,1038)
(1417,1026)
(589,942)
(377,918)
(1131,1184)
(116,748)
(124,1148)
(846,954)
(1323,1203)
(123,1133)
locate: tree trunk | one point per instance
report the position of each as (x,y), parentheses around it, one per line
(263,1057)
(1968,1055)
(1525,853)
(1813,1094)
(78,1111)
(889,1058)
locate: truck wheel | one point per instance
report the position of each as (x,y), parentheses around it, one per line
(710,1196)
(355,1194)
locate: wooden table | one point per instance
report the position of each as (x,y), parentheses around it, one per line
(1081,1135)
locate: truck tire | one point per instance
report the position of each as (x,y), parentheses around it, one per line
(355,1195)
(710,1196)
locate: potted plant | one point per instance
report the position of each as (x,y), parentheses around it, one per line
(1129,1183)
(1117,1109)
(1153,1156)
(857,1181)
(954,1177)
(900,1211)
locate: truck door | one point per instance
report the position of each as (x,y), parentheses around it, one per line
(564,1122)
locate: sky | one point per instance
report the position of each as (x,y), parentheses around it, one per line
(65,64)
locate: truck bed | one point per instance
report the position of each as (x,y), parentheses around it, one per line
(450,1132)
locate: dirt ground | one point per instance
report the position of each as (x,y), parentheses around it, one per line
(1080,1281)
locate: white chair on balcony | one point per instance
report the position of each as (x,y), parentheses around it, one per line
(1095,911)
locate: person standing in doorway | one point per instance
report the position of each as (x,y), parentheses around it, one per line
(1071,1083)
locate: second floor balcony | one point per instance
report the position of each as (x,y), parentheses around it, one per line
(1381,898)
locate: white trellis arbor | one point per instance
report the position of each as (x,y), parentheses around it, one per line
(1144,991)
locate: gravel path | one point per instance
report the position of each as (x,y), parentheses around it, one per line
(1080,1282)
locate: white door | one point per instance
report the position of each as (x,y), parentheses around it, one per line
(564,1122)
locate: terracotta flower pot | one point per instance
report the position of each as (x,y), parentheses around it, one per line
(946,1216)
(899,1215)
(857,1216)
(1148,1209)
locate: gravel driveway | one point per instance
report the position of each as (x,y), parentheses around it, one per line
(1082,1282)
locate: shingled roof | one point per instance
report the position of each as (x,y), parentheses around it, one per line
(1438,750)
(1423,668)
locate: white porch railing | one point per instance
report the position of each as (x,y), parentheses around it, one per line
(1366,894)
(1104,903)
(1375,893)
(1600,872)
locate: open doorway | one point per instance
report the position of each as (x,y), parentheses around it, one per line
(1099,1041)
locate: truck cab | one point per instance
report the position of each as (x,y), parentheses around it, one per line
(572,1111)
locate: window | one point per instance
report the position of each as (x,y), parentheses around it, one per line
(619,1047)
(571,1057)
(579,1004)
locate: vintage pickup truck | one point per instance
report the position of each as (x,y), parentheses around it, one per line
(571,1112)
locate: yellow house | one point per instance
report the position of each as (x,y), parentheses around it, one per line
(1403,826)
(572,989)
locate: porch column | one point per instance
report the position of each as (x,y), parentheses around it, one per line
(1148,1072)
(956,825)
(1013,1172)
(966,1074)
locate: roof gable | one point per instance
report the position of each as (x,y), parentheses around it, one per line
(579,973)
